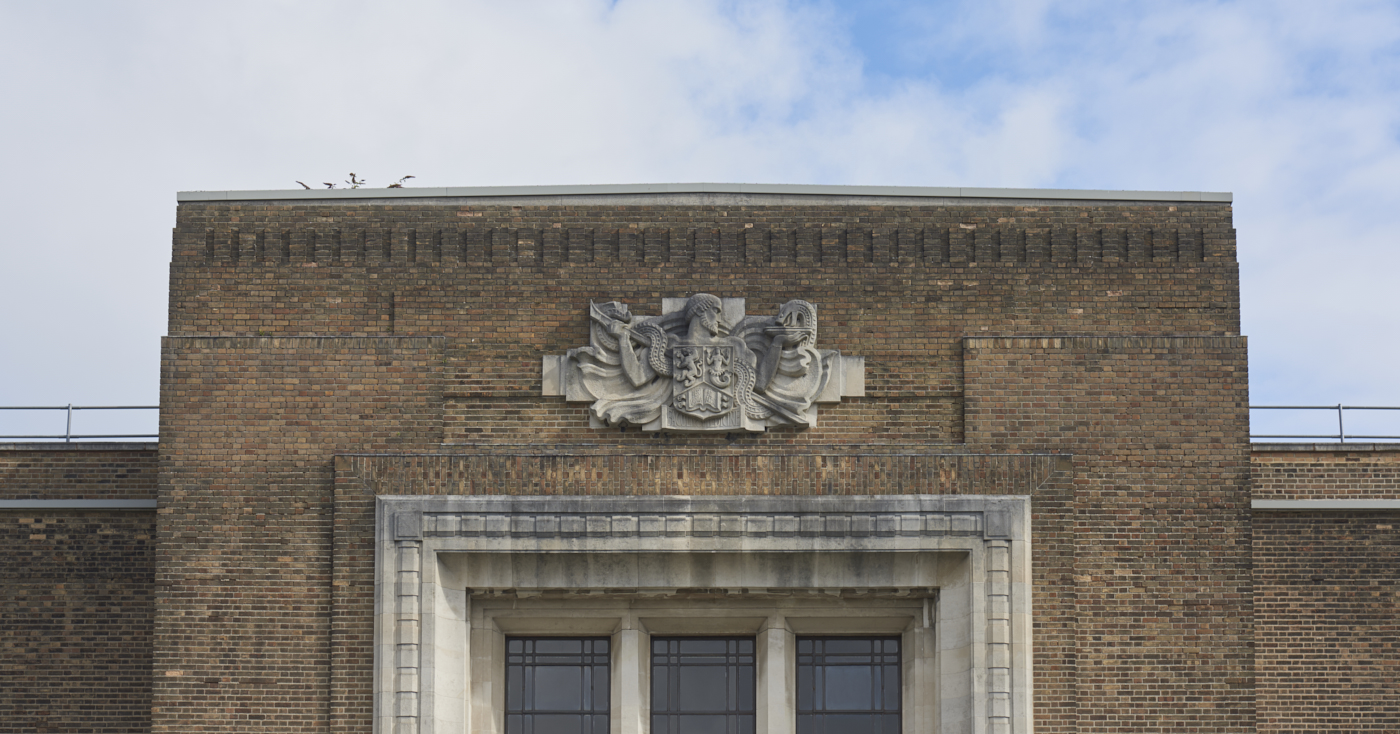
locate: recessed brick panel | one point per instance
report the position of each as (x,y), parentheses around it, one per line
(1335,474)
(68,471)
(77,601)
(1327,587)
(76,620)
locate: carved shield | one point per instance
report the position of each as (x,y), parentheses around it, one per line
(704,380)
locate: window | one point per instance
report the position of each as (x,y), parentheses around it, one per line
(848,684)
(557,685)
(702,685)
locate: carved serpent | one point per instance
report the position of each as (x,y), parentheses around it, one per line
(604,339)
(656,338)
(744,391)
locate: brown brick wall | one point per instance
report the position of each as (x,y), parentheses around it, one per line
(833,471)
(506,285)
(751,233)
(76,606)
(671,470)
(1327,591)
(1332,473)
(263,628)
(249,428)
(76,590)
(406,339)
(1143,587)
(78,471)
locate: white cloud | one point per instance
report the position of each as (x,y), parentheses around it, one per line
(112,108)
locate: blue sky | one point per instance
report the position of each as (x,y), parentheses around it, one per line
(112,107)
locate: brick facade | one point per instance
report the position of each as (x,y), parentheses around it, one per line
(499,286)
(1326,585)
(1332,472)
(1083,352)
(1326,595)
(77,592)
(78,471)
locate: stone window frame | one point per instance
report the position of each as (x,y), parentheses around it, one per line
(774,621)
(968,663)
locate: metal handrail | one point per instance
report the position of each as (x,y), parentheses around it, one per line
(68,435)
(1341,435)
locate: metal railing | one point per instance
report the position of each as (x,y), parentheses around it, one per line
(68,434)
(1341,435)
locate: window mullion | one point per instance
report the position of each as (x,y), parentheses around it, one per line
(776,659)
(631,700)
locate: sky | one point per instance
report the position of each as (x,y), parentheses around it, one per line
(108,109)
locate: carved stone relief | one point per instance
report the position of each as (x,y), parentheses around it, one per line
(703,365)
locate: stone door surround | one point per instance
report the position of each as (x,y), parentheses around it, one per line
(444,565)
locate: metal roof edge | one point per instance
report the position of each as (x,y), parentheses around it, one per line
(1334,447)
(704,188)
(60,445)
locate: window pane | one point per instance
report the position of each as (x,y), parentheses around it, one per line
(557,685)
(703,688)
(558,645)
(702,685)
(805,687)
(600,678)
(694,724)
(848,684)
(559,688)
(841,646)
(848,687)
(746,693)
(515,687)
(892,692)
(558,724)
(659,687)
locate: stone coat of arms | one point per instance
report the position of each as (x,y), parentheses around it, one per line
(703,366)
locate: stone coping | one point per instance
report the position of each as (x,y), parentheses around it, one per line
(678,193)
